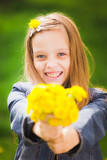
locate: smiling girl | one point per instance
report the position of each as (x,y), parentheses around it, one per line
(55,54)
(52,55)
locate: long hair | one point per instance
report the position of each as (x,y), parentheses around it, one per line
(79,68)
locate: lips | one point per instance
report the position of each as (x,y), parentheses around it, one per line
(53,74)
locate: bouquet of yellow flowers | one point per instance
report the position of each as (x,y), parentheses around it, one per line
(55,100)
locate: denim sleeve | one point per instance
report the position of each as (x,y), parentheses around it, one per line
(91,124)
(21,124)
(17,103)
(28,136)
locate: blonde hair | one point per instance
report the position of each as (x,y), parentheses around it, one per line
(79,68)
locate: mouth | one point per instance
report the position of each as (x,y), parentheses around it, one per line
(53,74)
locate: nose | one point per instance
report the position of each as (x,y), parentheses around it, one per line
(51,63)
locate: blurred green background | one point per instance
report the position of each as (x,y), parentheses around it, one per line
(90,17)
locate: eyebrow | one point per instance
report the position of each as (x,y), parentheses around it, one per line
(57,50)
(39,51)
(62,49)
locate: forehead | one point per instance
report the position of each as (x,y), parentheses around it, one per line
(53,37)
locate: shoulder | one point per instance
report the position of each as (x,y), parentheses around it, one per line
(96,93)
(24,87)
(19,91)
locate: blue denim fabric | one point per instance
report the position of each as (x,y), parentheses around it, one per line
(91,126)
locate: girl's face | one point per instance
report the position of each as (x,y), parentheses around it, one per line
(51,55)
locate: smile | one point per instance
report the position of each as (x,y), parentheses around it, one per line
(53,74)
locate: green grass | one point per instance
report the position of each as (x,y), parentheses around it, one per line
(9,148)
(103,146)
(91,19)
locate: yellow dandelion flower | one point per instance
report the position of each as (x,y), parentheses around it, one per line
(54,121)
(34,23)
(34,117)
(54,99)
(73,115)
(79,93)
(61,113)
(65,122)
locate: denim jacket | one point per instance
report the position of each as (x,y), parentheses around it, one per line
(91,126)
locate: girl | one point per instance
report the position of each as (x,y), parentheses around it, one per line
(56,54)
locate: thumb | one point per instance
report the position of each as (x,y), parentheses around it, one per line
(36,129)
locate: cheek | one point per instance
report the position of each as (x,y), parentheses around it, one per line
(38,66)
(67,65)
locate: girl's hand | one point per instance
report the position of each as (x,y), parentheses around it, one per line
(45,131)
(67,140)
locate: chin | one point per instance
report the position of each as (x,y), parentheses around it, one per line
(59,83)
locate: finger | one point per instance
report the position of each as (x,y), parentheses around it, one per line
(46,125)
(48,117)
(56,140)
(51,146)
(55,148)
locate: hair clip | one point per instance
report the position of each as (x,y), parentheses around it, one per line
(38,28)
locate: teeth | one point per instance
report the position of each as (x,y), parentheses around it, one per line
(53,75)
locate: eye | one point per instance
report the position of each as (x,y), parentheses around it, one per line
(61,54)
(40,56)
